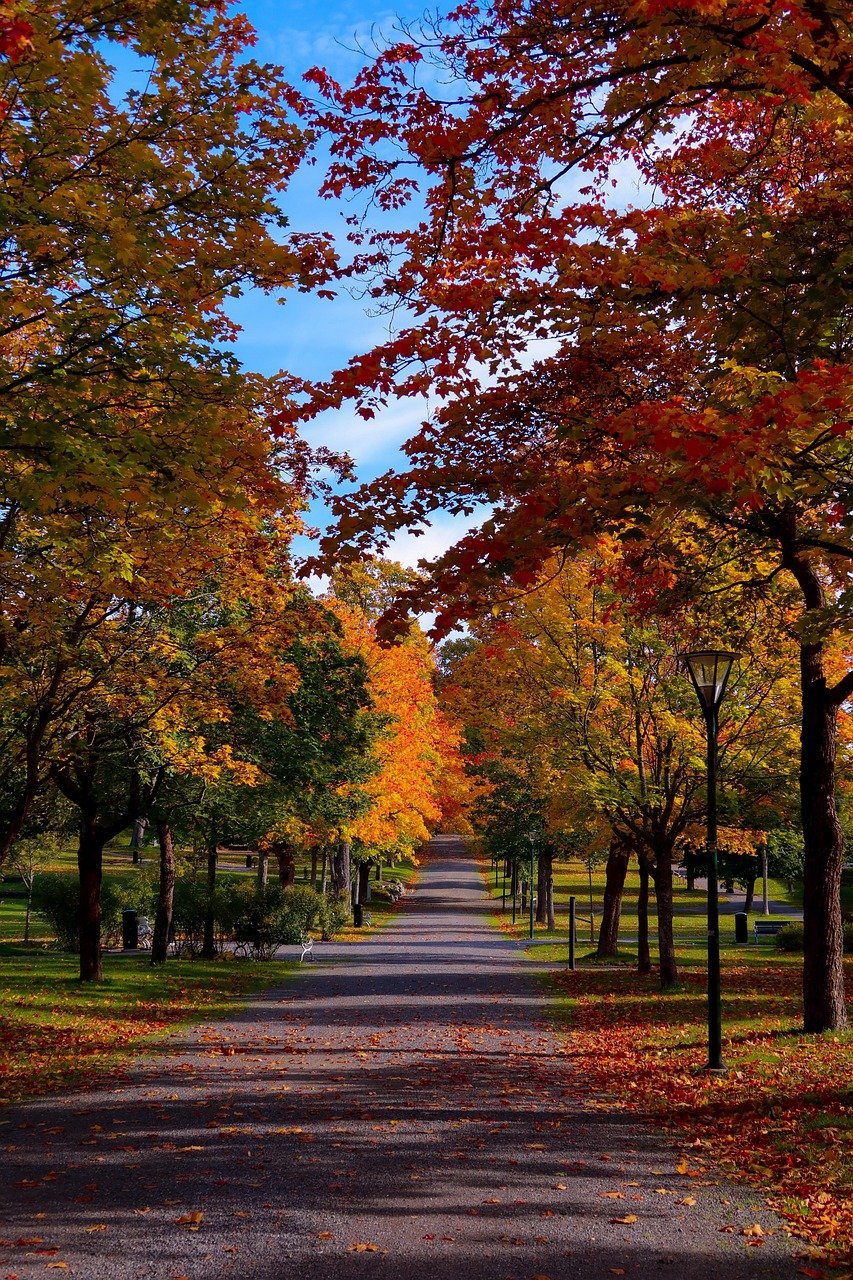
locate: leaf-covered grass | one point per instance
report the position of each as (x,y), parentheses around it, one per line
(56,1033)
(781,1119)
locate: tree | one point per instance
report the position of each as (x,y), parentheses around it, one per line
(131,442)
(596,697)
(702,342)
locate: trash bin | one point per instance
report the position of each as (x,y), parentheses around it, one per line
(250,861)
(129,929)
(358,915)
(741,927)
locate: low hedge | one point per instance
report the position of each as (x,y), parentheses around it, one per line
(791,938)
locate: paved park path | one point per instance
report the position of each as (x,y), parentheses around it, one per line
(398,1110)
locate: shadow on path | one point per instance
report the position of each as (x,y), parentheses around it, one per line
(402,1109)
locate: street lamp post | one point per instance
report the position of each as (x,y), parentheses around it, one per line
(709,670)
(531,836)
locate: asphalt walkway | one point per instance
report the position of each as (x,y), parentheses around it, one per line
(398,1110)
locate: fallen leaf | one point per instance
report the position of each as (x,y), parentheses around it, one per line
(364,1247)
(325,1235)
(97,1226)
(686,1200)
(628,1219)
(191,1220)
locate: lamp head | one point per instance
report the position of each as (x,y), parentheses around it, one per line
(709,670)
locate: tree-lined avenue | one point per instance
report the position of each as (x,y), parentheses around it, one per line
(401,1107)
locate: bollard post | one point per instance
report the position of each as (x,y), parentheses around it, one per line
(572,907)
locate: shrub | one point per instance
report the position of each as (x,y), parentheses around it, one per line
(190,906)
(56,895)
(336,916)
(790,938)
(273,917)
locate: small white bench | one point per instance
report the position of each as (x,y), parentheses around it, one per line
(307,945)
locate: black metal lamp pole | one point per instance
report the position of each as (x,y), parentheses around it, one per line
(709,670)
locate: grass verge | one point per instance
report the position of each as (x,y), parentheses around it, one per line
(56,1033)
(781,1119)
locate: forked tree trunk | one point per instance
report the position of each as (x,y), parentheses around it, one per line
(644,960)
(165,895)
(823,947)
(614,887)
(341,872)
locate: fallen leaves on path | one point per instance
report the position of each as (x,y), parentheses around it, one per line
(781,1118)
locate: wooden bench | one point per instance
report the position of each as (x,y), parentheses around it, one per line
(767,928)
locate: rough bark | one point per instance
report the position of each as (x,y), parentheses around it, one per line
(324,871)
(165,895)
(823,964)
(644,960)
(314,868)
(823,958)
(749,896)
(614,887)
(363,889)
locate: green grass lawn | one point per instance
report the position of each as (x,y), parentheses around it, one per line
(56,1033)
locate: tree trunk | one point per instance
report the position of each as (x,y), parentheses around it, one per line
(324,872)
(286,859)
(364,882)
(545,879)
(823,963)
(662,875)
(208,949)
(90,862)
(165,895)
(552,923)
(139,828)
(749,896)
(29,887)
(614,886)
(263,871)
(341,873)
(314,868)
(644,960)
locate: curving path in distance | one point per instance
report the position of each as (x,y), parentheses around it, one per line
(400,1109)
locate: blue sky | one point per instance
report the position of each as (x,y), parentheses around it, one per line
(310,336)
